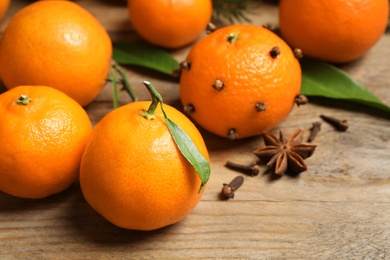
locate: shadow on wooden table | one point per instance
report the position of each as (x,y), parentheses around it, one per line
(11,204)
(344,105)
(69,210)
(94,228)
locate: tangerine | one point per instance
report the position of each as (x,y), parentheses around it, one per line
(239,81)
(132,172)
(335,31)
(43,133)
(57,44)
(170,23)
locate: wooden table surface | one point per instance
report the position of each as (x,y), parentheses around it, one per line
(338,209)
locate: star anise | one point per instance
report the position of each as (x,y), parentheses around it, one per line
(282,154)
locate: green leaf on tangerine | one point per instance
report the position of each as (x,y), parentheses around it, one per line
(190,151)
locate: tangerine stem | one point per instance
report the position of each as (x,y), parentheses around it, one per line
(232,38)
(23,100)
(156,98)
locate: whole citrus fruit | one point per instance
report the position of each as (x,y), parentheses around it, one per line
(3,7)
(133,173)
(57,44)
(239,81)
(43,133)
(170,23)
(336,31)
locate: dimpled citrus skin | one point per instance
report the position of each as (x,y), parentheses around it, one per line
(57,44)
(336,31)
(249,74)
(41,142)
(170,23)
(132,172)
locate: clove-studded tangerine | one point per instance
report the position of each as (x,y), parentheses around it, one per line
(240,81)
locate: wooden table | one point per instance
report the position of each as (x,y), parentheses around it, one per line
(338,209)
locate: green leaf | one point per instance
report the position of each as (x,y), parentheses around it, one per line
(190,152)
(115,93)
(142,54)
(325,80)
(125,82)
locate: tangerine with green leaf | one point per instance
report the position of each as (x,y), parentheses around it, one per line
(43,133)
(240,81)
(133,172)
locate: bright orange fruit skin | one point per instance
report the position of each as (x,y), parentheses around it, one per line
(132,172)
(41,142)
(336,31)
(57,44)
(249,75)
(170,23)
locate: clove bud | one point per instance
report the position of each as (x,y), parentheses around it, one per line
(251,170)
(275,52)
(314,131)
(211,28)
(228,189)
(218,84)
(189,109)
(269,26)
(184,65)
(301,99)
(232,134)
(298,53)
(260,106)
(339,125)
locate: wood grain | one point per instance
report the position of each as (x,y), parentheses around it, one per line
(338,209)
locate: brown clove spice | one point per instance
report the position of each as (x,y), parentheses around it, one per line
(269,26)
(301,99)
(339,125)
(229,189)
(189,109)
(211,28)
(232,134)
(260,106)
(184,65)
(251,170)
(176,73)
(218,84)
(275,52)
(298,53)
(314,131)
